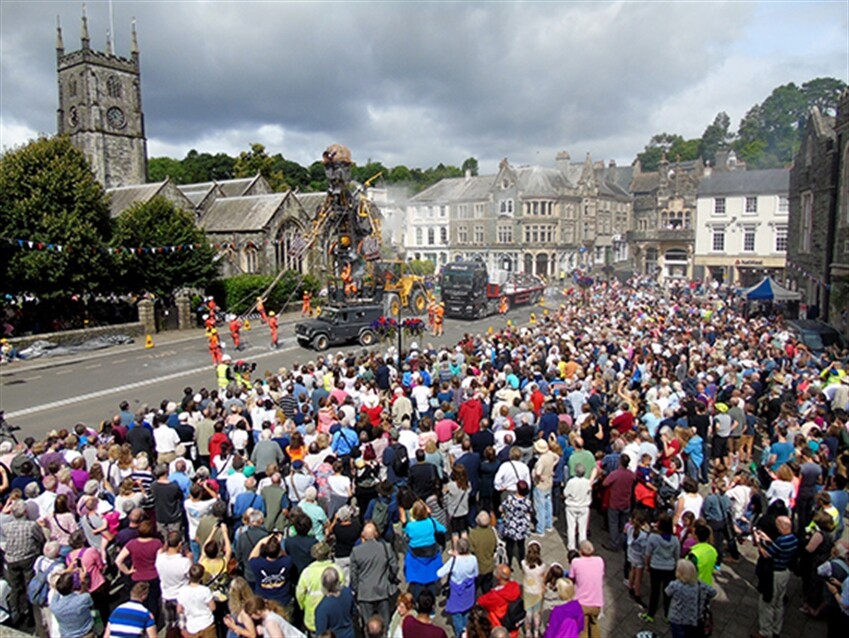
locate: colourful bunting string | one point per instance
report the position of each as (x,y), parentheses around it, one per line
(808,276)
(143,250)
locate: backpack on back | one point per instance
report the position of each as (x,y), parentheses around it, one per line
(401,461)
(380,516)
(515,615)
(39,587)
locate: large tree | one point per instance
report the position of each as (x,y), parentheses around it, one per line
(257,160)
(717,137)
(167,250)
(675,147)
(49,199)
(770,132)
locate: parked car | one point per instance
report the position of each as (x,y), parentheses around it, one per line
(816,335)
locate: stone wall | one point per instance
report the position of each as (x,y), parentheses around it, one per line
(76,337)
(813,171)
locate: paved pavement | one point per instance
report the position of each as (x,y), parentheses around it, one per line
(734,609)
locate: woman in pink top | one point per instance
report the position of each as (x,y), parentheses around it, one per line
(587,571)
(142,553)
(89,565)
(59,525)
(326,415)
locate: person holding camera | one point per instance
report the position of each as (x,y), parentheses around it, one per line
(72,609)
(273,571)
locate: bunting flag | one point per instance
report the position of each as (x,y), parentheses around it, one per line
(147,250)
(808,276)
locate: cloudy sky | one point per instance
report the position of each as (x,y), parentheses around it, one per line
(428,82)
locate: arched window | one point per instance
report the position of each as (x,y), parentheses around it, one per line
(290,247)
(113,86)
(250,259)
(675,254)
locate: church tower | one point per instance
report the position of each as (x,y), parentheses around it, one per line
(100,108)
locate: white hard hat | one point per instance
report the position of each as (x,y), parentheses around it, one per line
(226,357)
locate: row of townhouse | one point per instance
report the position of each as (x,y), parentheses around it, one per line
(683,221)
(544,221)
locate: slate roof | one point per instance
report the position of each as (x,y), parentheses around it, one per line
(645,183)
(537,180)
(122,197)
(196,193)
(242,214)
(606,178)
(310,202)
(532,181)
(763,182)
(622,176)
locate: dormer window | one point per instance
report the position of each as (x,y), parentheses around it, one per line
(506,207)
(505,184)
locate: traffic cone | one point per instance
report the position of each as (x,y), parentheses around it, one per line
(247,324)
(148,342)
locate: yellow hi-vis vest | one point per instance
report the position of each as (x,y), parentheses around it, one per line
(221,372)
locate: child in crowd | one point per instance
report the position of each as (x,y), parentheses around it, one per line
(636,534)
(533,580)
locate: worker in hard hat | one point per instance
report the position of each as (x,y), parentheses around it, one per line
(215,346)
(271,320)
(235,329)
(439,320)
(224,372)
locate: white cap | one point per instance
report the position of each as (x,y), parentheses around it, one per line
(226,357)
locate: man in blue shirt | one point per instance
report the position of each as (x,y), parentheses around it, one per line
(133,619)
(783,552)
(273,571)
(71,609)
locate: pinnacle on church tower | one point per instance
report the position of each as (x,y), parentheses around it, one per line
(134,43)
(84,37)
(110,50)
(60,44)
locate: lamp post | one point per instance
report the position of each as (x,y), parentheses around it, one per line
(399,335)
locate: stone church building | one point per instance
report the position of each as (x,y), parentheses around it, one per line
(100,109)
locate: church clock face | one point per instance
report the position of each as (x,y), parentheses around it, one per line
(115,118)
(73,117)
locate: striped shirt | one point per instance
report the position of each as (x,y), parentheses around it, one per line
(783,550)
(130,620)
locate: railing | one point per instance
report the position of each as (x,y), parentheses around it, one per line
(666,234)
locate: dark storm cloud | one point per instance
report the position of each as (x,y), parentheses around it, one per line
(413,83)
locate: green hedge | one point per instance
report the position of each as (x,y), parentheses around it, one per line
(238,294)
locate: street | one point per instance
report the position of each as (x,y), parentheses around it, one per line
(54,393)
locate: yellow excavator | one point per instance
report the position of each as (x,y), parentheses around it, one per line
(403,289)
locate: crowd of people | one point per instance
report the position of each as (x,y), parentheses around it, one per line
(356,494)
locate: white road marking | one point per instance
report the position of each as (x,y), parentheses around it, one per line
(119,361)
(188,347)
(93,366)
(35,378)
(124,388)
